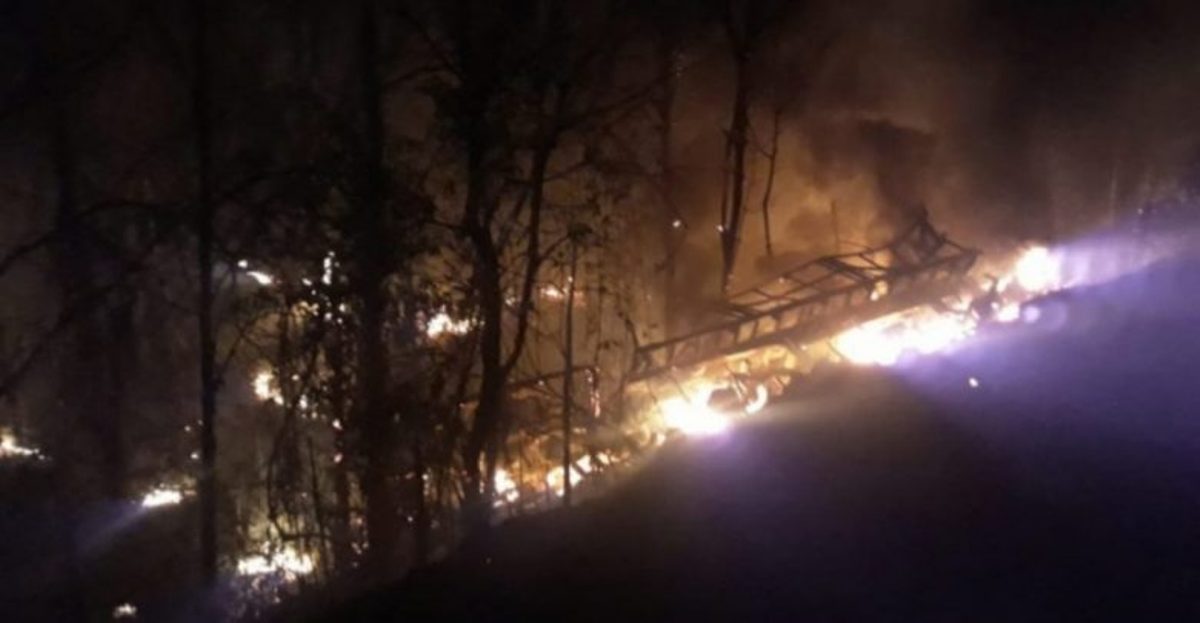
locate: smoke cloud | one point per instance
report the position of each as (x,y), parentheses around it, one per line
(1008,121)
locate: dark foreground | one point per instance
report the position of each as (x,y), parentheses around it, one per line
(1066,487)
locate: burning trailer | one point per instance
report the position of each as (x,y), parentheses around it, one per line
(917,294)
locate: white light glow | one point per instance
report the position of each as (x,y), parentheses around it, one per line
(691,414)
(125,611)
(263,279)
(1008,312)
(761,395)
(327,269)
(505,487)
(1037,270)
(882,342)
(579,469)
(265,388)
(11,448)
(441,324)
(162,496)
(287,561)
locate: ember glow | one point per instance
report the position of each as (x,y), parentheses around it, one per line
(506,488)
(579,469)
(553,293)
(1037,271)
(756,404)
(925,331)
(327,268)
(706,406)
(265,388)
(261,278)
(883,341)
(162,496)
(287,562)
(691,414)
(11,448)
(442,323)
(1008,312)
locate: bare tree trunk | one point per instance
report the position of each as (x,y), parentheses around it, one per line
(772,159)
(568,374)
(491,306)
(739,125)
(318,508)
(478,68)
(343,553)
(205,216)
(745,23)
(493,378)
(421,519)
(837,228)
(671,221)
(120,334)
(374,412)
(74,276)
(482,438)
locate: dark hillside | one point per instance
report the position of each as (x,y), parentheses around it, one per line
(1063,488)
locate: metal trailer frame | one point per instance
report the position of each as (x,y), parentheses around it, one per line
(820,298)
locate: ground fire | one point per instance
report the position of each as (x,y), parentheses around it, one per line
(515,307)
